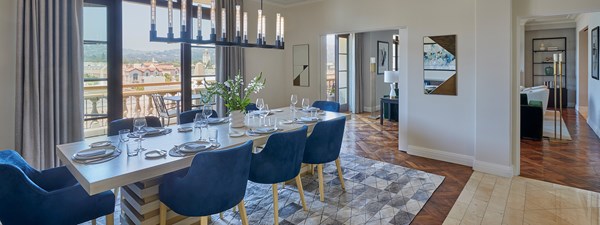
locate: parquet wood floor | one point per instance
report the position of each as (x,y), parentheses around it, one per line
(366,138)
(575,163)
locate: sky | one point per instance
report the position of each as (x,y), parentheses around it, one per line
(136,26)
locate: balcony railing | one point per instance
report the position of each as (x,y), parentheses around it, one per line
(137,101)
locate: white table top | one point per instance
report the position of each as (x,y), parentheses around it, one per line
(124,170)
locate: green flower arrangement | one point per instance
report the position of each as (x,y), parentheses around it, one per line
(233,92)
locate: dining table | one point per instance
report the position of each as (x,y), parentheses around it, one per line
(138,177)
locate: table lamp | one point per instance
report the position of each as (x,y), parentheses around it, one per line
(392,77)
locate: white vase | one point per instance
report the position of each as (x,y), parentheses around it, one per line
(237,119)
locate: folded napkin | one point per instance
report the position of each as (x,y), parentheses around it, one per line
(91,153)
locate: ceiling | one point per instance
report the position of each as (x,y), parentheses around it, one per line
(551,22)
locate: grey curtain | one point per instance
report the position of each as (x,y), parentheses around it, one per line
(358,70)
(49,105)
(230,60)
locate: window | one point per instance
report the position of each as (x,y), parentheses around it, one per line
(123,69)
(95,70)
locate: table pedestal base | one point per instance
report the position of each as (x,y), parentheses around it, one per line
(140,205)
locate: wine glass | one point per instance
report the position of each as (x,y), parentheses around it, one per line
(139,128)
(305,103)
(260,103)
(294,99)
(207,111)
(198,125)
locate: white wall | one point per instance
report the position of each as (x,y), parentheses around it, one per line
(493,117)
(593,84)
(437,126)
(268,61)
(8,42)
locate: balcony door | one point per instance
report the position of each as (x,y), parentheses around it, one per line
(102,64)
(341,70)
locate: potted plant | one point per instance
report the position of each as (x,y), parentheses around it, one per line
(236,96)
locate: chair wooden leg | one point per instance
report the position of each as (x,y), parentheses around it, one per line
(321,188)
(301,191)
(312,169)
(163,214)
(275,204)
(243,214)
(204,220)
(116,192)
(94,222)
(168,122)
(340,175)
(110,219)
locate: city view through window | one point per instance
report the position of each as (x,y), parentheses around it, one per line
(149,68)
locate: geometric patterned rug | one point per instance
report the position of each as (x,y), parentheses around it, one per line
(376,193)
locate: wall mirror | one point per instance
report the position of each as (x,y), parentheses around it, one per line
(439,65)
(301,67)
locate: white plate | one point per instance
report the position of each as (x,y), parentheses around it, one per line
(263,130)
(100,144)
(309,119)
(94,153)
(235,134)
(155,154)
(195,146)
(153,130)
(287,121)
(185,129)
(216,120)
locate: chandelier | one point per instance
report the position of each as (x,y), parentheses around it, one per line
(241,27)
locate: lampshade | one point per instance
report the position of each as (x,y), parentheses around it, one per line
(391,76)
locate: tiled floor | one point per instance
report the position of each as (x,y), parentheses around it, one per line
(488,199)
(376,193)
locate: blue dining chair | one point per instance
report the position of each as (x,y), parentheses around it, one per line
(323,146)
(327,106)
(127,123)
(53,196)
(279,161)
(251,107)
(188,116)
(215,182)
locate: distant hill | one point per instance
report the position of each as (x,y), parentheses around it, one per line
(97,53)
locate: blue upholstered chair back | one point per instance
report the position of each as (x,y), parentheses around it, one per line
(327,106)
(324,143)
(215,182)
(281,158)
(52,196)
(188,116)
(251,107)
(127,123)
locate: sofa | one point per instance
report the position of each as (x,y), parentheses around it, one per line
(532,118)
(537,93)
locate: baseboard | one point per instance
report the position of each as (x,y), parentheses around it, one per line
(368,109)
(440,155)
(465,160)
(492,168)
